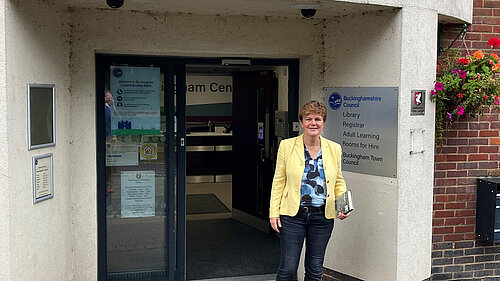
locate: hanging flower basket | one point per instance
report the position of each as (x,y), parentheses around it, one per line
(465,86)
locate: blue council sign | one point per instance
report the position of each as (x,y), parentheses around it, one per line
(364,121)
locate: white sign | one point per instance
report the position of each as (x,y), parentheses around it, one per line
(118,154)
(137,194)
(364,121)
(43,180)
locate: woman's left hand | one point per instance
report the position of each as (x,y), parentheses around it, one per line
(342,216)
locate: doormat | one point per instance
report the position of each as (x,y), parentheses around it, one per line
(204,204)
(223,248)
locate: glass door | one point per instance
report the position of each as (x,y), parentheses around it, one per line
(141,155)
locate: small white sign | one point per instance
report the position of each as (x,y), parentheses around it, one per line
(43,180)
(118,154)
(137,194)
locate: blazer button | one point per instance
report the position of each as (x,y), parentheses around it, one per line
(327,181)
(328,195)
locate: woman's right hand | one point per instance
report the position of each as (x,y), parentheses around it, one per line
(275,224)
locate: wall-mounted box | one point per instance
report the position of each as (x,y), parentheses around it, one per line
(488,209)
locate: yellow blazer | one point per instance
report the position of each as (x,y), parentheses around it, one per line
(290,165)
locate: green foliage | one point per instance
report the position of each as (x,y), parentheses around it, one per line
(464,87)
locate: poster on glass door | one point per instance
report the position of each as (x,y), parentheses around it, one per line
(121,154)
(137,194)
(136,100)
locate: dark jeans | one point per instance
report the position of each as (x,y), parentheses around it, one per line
(317,230)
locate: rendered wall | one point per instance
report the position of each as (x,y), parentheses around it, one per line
(415,172)
(388,236)
(365,51)
(37,51)
(4,154)
(392,224)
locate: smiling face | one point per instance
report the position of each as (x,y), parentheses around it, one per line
(312,117)
(312,124)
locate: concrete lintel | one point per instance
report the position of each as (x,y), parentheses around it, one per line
(461,10)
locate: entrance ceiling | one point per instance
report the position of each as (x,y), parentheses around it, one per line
(284,8)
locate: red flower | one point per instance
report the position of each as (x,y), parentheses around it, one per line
(485,97)
(460,95)
(462,60)
(495,42)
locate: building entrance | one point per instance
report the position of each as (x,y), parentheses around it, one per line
(186,151)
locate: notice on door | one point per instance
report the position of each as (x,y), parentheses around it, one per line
(364,121)
(122,154)
(137,194)
(136,106)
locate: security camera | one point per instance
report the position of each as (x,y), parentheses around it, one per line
(114,3)
(308,13)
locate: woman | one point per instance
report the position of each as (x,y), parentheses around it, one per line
(307,179)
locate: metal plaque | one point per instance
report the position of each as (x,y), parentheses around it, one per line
(364,121)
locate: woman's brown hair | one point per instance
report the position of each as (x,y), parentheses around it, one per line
(313,107)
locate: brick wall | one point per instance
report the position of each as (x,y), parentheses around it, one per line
(470,150)
(485,25)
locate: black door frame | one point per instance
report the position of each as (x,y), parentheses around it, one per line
(176,241)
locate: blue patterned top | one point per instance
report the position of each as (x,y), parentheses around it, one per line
(313,188)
